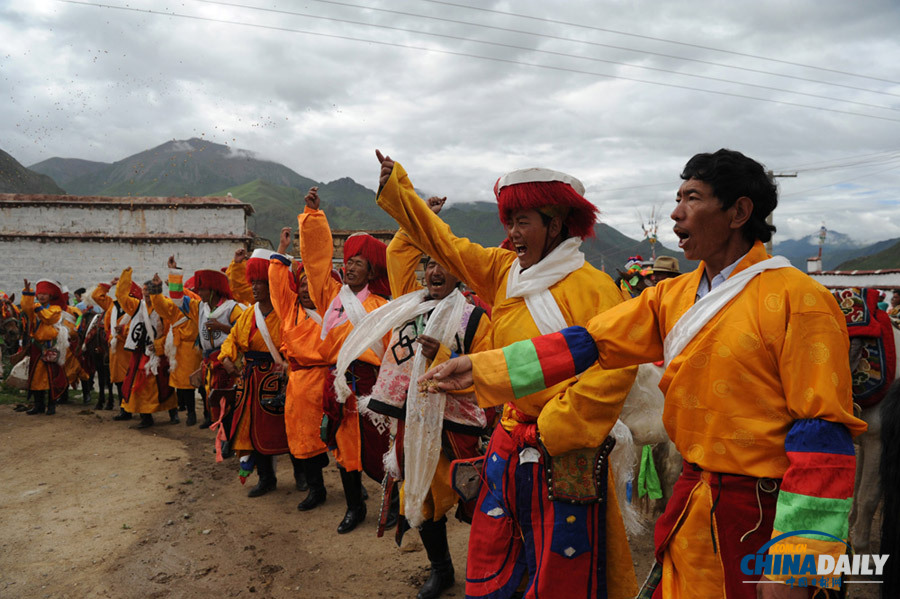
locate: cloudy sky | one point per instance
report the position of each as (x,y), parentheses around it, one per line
(619,94)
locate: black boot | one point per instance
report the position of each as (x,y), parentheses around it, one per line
(299,474)
(100,400)
(65,396)
(38,407)
(146,421)
(86,387)
(191,419)
(265,467)
(394,510)
(51,407)
(122,415)
(356,507)
(173,416)
(434,537)
(312,468)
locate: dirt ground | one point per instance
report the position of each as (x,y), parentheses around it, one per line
(95,508)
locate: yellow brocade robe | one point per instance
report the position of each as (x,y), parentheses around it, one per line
(42,322)
(119,357)
(576,413)
(144,400)
(184,336)
(244,337)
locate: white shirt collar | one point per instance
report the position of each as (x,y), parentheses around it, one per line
(720,278)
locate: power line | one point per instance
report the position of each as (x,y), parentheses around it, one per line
(658,39)
(530,49)
(478,56)
(576,41)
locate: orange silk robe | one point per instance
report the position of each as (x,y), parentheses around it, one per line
(316,248)
(300,343)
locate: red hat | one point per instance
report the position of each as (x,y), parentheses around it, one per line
(375,253)
(550,192)
(53,289)
(136,291)
(189,284)
(258,265)
(212,279)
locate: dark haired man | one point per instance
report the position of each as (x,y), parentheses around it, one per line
(757,388)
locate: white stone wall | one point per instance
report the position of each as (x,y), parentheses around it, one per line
(121,220)
(78,263)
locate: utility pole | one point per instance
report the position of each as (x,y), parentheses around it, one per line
(769,221)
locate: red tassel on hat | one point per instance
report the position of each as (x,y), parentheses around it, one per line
(535,195)
(213,279)
(375,253)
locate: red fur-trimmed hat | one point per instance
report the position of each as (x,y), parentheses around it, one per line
(550,192)
(136,291)
(258,265)
(212,279)
(53,289)
(375,253)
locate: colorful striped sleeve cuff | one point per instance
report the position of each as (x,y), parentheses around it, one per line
(535,364)
(176,283)
(817,490)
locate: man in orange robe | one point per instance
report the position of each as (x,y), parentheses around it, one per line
(340,306)
(301,340)
(757,387)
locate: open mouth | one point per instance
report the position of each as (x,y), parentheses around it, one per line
(436,281)
(520,250)
(683,236)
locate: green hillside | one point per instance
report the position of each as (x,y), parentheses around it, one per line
(193,167)
(65,170)
(887,258)
(15,178)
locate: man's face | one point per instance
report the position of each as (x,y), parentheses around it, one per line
(205,294)
(528,234)
(303,292)
(146,290)
(356,272)
(895,299)
(42,298)
(702,227)
(438,282)
(260,290)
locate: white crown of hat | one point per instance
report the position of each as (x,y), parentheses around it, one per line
(537,175)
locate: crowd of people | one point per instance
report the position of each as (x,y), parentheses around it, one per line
(526,344)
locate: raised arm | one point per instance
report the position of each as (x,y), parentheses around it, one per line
(100,295)
(123,287)
(283,297)
(402,259)
(480,268)
(237,278)
(317,250)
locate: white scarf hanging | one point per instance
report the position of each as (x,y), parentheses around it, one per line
(533,284)
(264,331)
(314,315)
(425,414)
(203,315)
(143,328)
(368,332)
(711,304)
(353,309)
(171,350)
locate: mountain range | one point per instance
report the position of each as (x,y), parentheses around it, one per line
(197,167)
